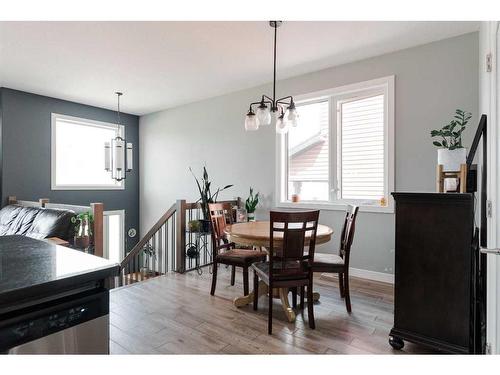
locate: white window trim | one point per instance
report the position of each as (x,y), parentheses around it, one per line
(385,83)
(121,213)
(87,122)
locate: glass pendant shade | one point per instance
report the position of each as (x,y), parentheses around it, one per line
(264,116)
(274,116)
(292,117)
(281,125)
(251,123)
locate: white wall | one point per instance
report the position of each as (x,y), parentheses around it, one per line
(431,82)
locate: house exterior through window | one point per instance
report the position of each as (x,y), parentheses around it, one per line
(343,149)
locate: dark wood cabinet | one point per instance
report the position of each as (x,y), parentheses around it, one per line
(436,270)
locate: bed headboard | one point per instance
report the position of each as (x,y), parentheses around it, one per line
(97,210)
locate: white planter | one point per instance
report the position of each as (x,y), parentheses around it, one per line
(451,159)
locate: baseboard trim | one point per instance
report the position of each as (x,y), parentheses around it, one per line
(366,274)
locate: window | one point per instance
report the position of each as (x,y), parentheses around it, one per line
(342,150)
(78,154)
(308,150)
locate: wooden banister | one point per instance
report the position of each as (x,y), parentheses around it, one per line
(43,201)
(98,213)
(180,263)
(163,248)
(234,202)
(140,245)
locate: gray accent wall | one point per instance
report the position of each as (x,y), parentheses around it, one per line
(26,152)
(431,81)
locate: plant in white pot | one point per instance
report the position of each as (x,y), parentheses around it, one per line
(251,204)
(451,152)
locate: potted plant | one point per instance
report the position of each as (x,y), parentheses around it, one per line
(149,254)
(251,204)
(194,226)
(82,229)
(206,197)
(451,152)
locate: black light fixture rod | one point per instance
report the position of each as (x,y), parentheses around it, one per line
(118,94)
(274,75)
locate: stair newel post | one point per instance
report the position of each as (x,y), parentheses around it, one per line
(180,245)
(98,213)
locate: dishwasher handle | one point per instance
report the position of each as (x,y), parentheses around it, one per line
(485,250)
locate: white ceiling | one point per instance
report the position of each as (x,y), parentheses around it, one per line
(160,65)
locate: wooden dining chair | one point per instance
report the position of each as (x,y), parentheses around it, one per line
(289,266)
(332,263)
(224,252)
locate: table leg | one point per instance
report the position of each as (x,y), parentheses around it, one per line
(248,299)
(263,290)
(290,314)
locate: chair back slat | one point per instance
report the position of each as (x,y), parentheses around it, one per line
(347,234)
(297,231)
(220,216)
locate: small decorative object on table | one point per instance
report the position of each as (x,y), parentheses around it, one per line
(251,204)
(83,230)
(451,169)
(206,197)
(295,198)
(241,215)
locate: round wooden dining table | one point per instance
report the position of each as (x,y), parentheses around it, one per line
(257,233)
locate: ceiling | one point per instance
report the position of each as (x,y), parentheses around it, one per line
(160,65)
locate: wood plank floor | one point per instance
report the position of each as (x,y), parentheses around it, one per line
(175,314)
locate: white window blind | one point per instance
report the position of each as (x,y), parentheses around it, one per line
(361,167)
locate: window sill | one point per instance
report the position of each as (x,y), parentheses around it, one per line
(335,207)
(87,187)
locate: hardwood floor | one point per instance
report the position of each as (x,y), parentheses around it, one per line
(175,314)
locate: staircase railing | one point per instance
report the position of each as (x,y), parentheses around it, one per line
(169,246)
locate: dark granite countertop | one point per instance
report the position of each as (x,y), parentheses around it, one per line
(33,269)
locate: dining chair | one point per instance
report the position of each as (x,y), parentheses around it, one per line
(332,263)
(289,266)
(224,252)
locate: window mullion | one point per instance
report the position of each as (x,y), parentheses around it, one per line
(332,168)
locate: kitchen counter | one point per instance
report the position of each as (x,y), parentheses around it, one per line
(32,269)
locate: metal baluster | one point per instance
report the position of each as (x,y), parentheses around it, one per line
(174,243)
(165,247)
(160,252)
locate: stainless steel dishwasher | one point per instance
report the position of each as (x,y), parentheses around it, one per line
(76,324)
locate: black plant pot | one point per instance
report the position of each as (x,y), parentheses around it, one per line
(205,226)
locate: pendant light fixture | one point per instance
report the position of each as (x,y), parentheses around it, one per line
(118,154)
(280,112)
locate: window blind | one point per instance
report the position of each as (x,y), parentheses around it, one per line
(362,148)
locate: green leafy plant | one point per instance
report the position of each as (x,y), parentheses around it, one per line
(451,134)
(206,195)
(252,202)
(80,219)
(194,226)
